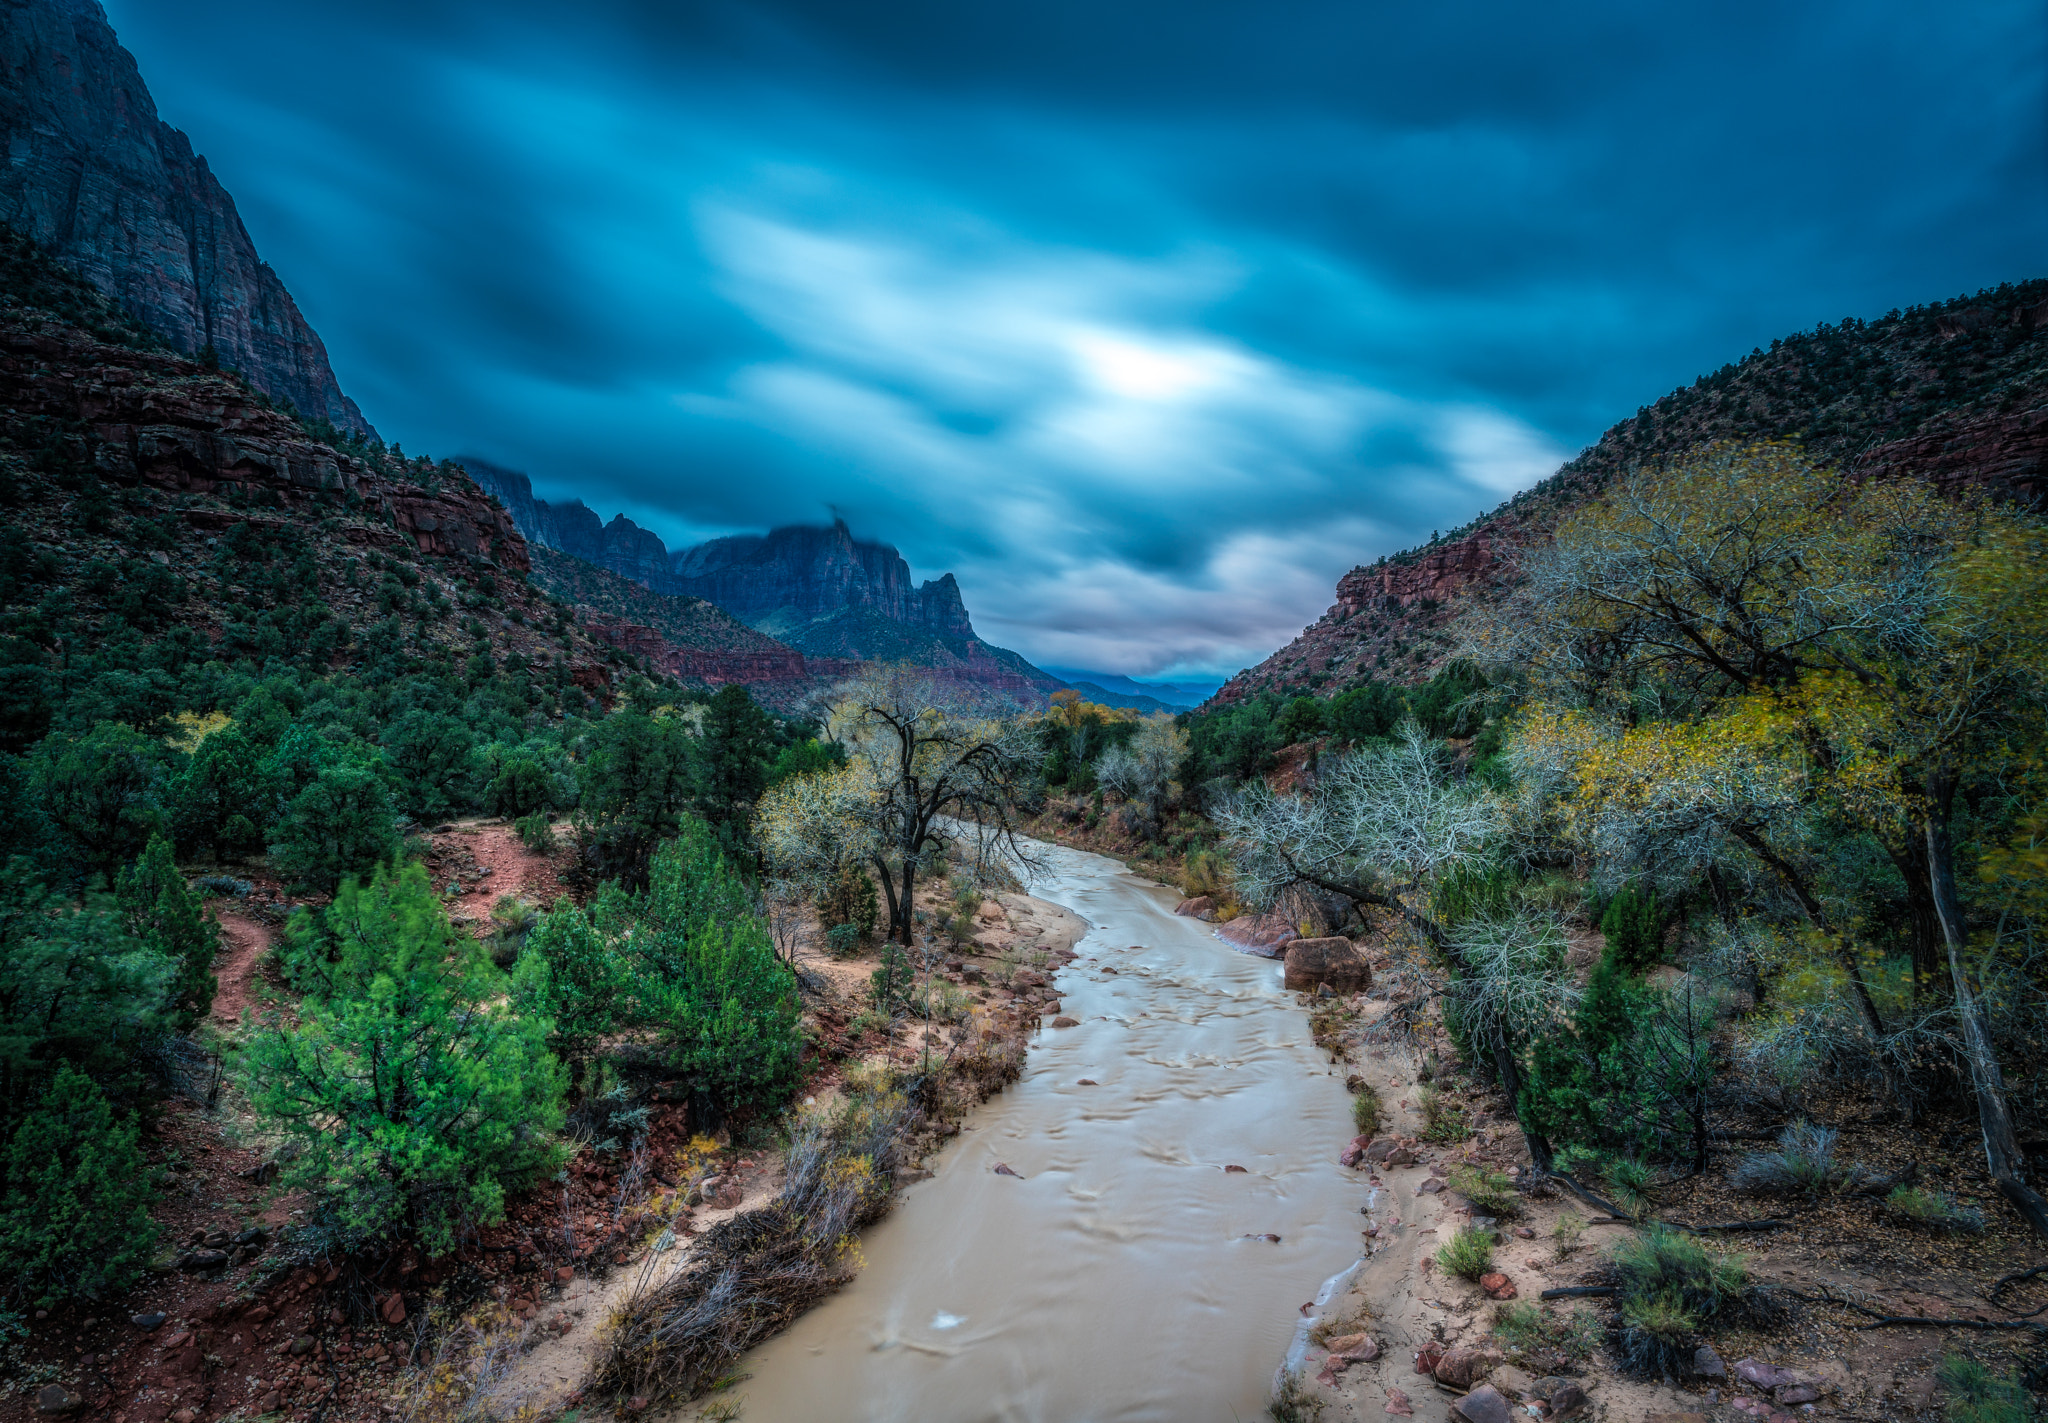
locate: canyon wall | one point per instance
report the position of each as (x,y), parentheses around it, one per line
(105,186)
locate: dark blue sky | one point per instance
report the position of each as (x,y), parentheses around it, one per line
(1147,319)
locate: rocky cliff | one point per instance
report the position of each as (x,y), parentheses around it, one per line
(819,594)
(1955,392)
(101,183)
(794,576)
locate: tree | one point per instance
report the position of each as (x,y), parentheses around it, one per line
(638,778)
(102,792)
(917,758)
(1144,768)
(224,797)
(75,987)
(75,1194)
(1747,641)
(341,824)
(1383,827)
(430,753)
(418,1096)
(163,913)
(737,736)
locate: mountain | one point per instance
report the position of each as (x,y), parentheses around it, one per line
(113,192)
(1955,392)
(1179,695)
(837,600)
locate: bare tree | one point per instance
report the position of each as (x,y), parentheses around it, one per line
(925,765)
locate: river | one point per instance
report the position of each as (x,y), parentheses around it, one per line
(1127,1276)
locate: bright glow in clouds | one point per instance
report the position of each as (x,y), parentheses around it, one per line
(1147,319)
(1070,422)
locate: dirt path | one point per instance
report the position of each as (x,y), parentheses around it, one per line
(243,942)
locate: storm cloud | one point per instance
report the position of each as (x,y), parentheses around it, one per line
(1147,320)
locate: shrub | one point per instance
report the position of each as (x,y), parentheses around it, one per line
(1443,1119)
(536,832)
(223,795)
(1366,1109)
(1468,1254)
(1804,1163)
(1976,1395)
(417,1096)
(1569,1233)
(1668,1287)
(1207,873)
(852,900)
(75,987)
(512,922)
(1934,1209)
(431,753)
(869,1020)
(74,1203)
(521,788)
(1634,929)
(1526,1328)
(1490,1192)
(570,975)
(167,916)
(340,825)
(888,984)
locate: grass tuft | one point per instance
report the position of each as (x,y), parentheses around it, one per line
(1803,1164)
(1976,1395)
(1936,1210)
(1366,1110)
(1490,1192)
(1467,1255)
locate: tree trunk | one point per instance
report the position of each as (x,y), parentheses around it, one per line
(1511,1082)
(2001,1145)
(1923,919)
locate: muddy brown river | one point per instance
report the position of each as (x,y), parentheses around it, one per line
(1127,1276)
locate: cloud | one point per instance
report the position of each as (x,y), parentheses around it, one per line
(1148,320)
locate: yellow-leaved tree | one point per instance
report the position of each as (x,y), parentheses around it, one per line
(1722,654)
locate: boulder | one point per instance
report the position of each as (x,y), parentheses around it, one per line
(1465,1365)
(1316,963)
(1428,1357)
(153,1320)
(1266,935)
(1360,1348)
(1202,906)
(1400,1156)
(1756,1372)
(1567,1399)
(1707,1363)
(1398,1404)
(1483,1404)
(1355,1153)
(55,1398)
(1791,1394)
(391,1309)
(1497,1285)
(1430,1187)
(1066,1022)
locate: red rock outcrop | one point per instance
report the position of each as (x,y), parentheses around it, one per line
(717,666)
(115,193)
(160,419)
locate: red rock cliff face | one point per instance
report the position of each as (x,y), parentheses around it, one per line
(162,420)
(718,667)
(96,178)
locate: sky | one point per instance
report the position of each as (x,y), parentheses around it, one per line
(1146,319)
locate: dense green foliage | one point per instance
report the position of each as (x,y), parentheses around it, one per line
(688,964)
(418,1098)
(74,1198)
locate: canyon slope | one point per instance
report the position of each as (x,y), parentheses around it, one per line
(835,600)
(1955,392)
(116,194)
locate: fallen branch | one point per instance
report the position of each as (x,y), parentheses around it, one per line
(1581,1292)
(1729,1225)
(1881,1320)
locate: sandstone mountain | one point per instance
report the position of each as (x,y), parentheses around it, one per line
(1956,392)
(100,182)
(835,599)
(140,481)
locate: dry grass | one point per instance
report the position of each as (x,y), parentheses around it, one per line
(749,1276)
